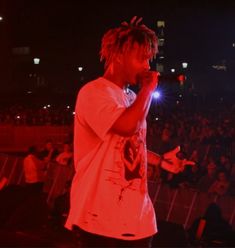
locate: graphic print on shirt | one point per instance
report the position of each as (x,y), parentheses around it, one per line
(132,157)
(130,173)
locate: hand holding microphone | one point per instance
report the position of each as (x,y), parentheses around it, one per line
(145,78)
(172,78)
(149,80)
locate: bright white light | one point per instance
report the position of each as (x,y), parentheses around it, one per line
(17,117)
(1,18)
(156,118)
(233,44)
(80,68)
(68,107)
(44,107)
(184,65)
(156,94)
(36,61)
(219,67)
(161,42)
(48,105)
(73,113)
(172,70)
(160,24)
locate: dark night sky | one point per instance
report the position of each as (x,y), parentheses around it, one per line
(65,34)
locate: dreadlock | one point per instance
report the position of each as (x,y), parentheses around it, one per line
(121,39)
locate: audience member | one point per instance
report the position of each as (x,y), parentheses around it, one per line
(211,230)
(49,152)
(34,169)
(3,182)
(224,163)
(209,177)
(220,186)
(66,156)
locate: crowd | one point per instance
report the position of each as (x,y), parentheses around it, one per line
(36,116)
(37,162)
(48,172)
(206,137)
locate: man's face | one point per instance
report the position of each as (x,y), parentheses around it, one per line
(134,62)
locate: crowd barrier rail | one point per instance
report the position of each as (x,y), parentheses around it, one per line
(178,205)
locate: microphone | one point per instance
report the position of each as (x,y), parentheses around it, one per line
(172,78)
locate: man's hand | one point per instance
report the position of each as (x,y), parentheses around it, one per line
(149,80)
(172,163)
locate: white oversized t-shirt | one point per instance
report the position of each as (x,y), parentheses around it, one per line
(109,193)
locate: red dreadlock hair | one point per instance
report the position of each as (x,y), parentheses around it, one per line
(121,39)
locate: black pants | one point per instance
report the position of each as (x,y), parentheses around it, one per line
(87,239)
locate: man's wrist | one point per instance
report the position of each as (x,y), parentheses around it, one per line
(162,158)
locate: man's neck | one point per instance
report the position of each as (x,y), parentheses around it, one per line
(115,78)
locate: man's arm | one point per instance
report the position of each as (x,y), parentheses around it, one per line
(131,119)
(153,158)
(169,161)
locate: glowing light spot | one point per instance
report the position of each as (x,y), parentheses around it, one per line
(184,65)
(156,95)
(36,61)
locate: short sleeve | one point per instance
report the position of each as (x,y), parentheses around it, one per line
(99,108)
